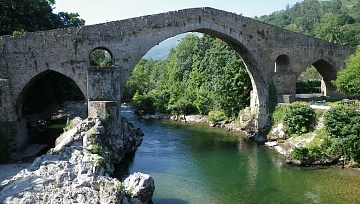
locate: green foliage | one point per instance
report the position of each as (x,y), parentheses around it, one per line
(308,83)
(299,118)
(67,125)
(105,118)
(279,113)
(97,149)
(308,86)
(71,19)
(100,58)
(201,74)
(300,153)
(348,79)
(142,103)
(342,121)
(352,147)
(310,73)
(216,116)
(272,99)
(32,15)
(322,144)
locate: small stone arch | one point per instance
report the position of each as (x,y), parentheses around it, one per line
(282,63)
(328,73)
(101,57)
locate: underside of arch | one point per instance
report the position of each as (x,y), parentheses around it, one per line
(47,88)
(328,73)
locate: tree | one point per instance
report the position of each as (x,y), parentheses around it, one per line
(70,19)
(202,74)
(21,16)
(348,79)
(139,80)
(100,58)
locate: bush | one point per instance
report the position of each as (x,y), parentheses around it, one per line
(343,124)
(299,118)
(278,114)
(352,147)
(342,121)
(323,144)
(217,116)
(309,86)
(300,153)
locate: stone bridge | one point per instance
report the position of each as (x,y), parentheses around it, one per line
(274,58)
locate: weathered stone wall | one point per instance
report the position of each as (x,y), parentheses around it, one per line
(5,100)
(104,84)
(67,51)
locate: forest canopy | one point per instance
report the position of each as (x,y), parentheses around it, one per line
(202,74)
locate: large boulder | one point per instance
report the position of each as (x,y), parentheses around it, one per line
(77,170)
(140,186)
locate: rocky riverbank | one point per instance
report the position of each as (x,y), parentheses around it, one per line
(77,170)
(284,145)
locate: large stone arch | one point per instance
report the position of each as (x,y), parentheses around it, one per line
(250,52)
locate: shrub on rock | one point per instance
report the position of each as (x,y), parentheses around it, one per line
(299,118)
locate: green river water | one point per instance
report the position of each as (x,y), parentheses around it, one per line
(193,163)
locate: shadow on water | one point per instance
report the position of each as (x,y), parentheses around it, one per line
(122,169)
(169,201)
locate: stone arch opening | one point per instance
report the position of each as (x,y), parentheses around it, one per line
(44,106)
(308,84)
(164,45)
(101,57)
(328,73)
(282,63)
(315,81)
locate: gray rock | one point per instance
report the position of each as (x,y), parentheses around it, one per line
(140,186)
(72,172)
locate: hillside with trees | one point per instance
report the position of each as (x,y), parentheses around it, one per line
(336,21)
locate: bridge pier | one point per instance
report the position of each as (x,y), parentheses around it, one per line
(285,83)
(104,97)
(13,129)
(109,114)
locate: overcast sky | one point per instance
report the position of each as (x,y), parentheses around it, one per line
(101,11)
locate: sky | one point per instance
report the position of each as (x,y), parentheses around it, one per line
(101,11)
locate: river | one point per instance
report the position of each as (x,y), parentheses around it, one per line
(193,163)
